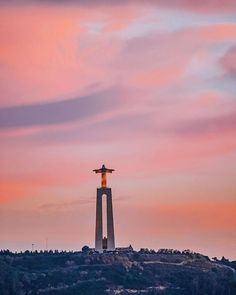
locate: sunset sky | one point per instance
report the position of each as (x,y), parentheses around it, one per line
(147,88)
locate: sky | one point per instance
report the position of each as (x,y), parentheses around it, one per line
(146,88)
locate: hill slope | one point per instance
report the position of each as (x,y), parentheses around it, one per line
(99,274)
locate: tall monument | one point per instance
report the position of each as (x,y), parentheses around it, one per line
(106,243)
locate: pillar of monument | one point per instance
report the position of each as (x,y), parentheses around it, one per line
(110,224)
(100,244)
(104,192)
(98,231)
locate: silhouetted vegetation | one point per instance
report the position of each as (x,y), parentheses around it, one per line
(166,271)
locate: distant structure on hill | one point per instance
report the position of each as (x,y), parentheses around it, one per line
(106,243)
(124,249)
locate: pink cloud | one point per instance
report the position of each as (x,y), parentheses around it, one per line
(199,6)
(195,6)
(228,61)
(159,77)
(47,52)
(162,59)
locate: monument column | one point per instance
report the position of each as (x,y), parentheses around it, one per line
(98,234)
(109,242)
(110,225)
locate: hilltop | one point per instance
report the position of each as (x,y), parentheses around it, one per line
(165,272)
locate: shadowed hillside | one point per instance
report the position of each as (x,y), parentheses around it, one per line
(166,272)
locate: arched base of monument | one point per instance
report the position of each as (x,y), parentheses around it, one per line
(103,243)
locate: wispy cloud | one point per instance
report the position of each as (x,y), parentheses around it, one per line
(228,61)
(65,206)
(58,112)
(206,126)
(200,6)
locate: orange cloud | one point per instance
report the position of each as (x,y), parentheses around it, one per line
(205,226)
(49,52)
(11,190)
